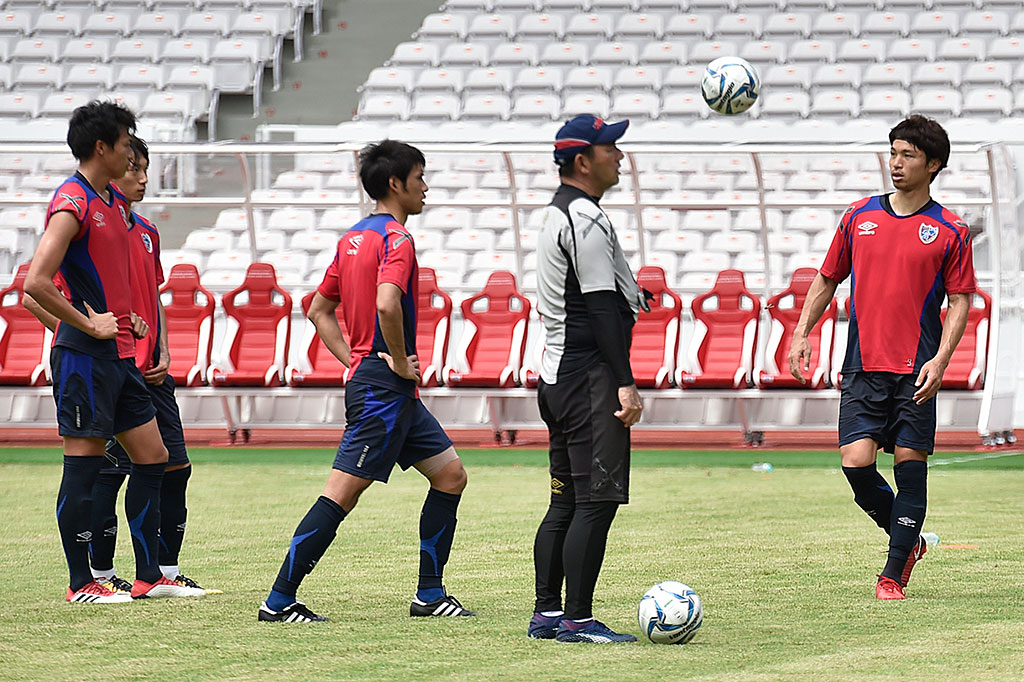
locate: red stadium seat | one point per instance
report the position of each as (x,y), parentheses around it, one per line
(256,343)
(652,356)
(433,327)
(189,314)
(966,368)
(24,341)
(776,372)
(493,342)
(319,366)
(721,353)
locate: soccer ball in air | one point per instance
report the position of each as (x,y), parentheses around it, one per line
(670,613)
(731,85)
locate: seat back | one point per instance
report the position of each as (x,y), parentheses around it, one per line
(188,309)
(966,369)
(433,327)
(24,341)
(493,341)
(784,313)
(652,355)
(721,353)
(258,328)
(318,366)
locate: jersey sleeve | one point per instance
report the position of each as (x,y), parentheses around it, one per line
(398,258)
(591,248)
(330,287)
(958,268)
(839,259)
(70,197)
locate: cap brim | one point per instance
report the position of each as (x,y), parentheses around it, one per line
(611,132)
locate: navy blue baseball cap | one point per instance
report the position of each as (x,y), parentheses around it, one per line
(583,131)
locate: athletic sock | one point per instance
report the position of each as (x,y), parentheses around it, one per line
(170,571)
(583,554)
(172,515)
(908,511)
(872,493)
(437,530)
(74,515)
(547,555)
(104,523)
(312,537)
(142,507)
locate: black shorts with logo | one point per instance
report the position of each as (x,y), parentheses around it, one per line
(589,445)
(98,397)
(880,406)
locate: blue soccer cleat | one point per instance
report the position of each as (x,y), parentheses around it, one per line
(592,631)
(543,627)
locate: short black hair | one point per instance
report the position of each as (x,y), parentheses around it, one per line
(97,121)
(140,148)
(380,162)
(927,135)
(567,168)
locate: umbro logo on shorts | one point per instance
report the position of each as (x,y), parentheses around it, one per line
(556,486)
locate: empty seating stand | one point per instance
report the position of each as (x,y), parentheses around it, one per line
(317,364)
(721,353)
(783,322)
(24,341)
(259,326)
(188,309)
(433,327)
(493,342)
(966,369)
(652,355)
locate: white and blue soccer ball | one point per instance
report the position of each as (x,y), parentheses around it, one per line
(670,613)
(730,85)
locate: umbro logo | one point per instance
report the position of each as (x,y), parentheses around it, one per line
(906,521)
(99,218)
(85,536)
(867,228)
(354,242)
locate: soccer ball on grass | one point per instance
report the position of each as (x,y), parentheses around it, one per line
(670,613)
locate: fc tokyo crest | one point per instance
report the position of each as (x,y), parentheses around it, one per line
(927,233)
(147,241)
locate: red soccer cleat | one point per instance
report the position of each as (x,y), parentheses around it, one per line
(94,593)
(916,555)
(163,588)
(887,588)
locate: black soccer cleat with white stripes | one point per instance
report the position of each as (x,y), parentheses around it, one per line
(449,606)
(294,613)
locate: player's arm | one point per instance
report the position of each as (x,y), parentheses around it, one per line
(48,320)
(930,377)
(819,296)
(389,314)
(322,315)
(61,229)
(156,374)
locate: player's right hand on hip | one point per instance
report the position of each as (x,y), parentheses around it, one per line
(799,358)
(104,325)
(410,369)
(632,406)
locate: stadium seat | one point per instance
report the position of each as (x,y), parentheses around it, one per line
(641,28)
(493,341)
(784,313)
(188,308)
(990,74)
(24,341)
(652,355)
(984,24)
(836,25)
(492,27)
(442,27)
(256,343)
(721,352)
(888,25)
(317,364)
(966,369)
(157,23)
(790,26)
(541,27)
(433,328)
(688,27)
(665,54)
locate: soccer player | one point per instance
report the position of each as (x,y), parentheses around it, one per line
(374,277)
(99,391)
(905,253)
(588,301)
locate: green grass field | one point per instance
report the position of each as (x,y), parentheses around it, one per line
(784,563)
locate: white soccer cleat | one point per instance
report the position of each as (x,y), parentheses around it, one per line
(163,588)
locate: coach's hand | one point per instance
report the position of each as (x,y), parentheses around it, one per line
(631,404)
(929,380)
(156,374)
(104,325)
(799,357)
(407,369)
(139,327)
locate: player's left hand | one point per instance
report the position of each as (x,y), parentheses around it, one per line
(929,380)
(139,327)
(156,374)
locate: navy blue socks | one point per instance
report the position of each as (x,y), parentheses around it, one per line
(104,520)
(437,530)
(872,493)
(173,514)
(74,515)
(142,507)
(908,511)
(312,537)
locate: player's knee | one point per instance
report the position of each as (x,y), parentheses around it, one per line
(452,479)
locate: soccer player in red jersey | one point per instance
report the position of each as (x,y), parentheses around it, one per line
(374,278)
(904,254)
(99,391)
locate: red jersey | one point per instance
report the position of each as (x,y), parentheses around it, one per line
(95,267)
(376,250)
(901,269)
(147,276)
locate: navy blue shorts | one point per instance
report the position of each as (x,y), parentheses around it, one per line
(384,428)
(880,406)
(168,419)
(97,397)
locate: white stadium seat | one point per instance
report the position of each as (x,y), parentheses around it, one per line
(514,54)
(614,54)
(862,50)
(961,49)
(486,107)
(639,27)
(136,50)
(108,24)
(540,80)
(935,24)
(62,104)
(436,107)
(937,74)
(415,54)
(38,77)
(587,79)
(589,27)
(587,103)
(709,50)
(564,54)
(763,53)
(738,25)
(885,102)
(89,50)
(442,27)
(787,76)
(787,26)
(988,73)
(541,27)
(890,74)
(665,53)
(812,51)
(492,27)
(60,24)
(839,75)
(206,25)
(465,55)
(186,51)
(434,81)
(89,76)
(787,103)
(636,105)
(988,101)
(938,102)
(913,50)
(36,50)
(159,23)
(688,27)
(488,80)
(639,78)
(888,25)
